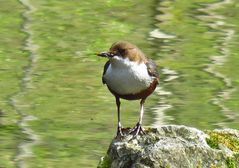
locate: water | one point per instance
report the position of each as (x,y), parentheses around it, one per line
(200,54)
(55,112)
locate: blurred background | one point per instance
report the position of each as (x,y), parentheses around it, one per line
(54,110)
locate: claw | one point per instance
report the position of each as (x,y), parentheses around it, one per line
(119,132)
(138,129)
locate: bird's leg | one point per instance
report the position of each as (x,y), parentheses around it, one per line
(119,129)
(138,128)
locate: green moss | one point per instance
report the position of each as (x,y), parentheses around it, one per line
(231,162)
(105,162)
(227,139)
(213,142)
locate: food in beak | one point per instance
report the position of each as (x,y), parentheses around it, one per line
(105,54)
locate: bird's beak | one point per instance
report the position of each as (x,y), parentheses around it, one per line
(105,54)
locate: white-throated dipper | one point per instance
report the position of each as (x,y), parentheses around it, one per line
(129,75)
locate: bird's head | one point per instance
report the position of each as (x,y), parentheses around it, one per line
(124,49)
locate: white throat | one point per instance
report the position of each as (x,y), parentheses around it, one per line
(127,77)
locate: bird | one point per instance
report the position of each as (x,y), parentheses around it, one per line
(129,74)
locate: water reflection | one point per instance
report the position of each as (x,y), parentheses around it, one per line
(216,22)
(194,44)
(196,98)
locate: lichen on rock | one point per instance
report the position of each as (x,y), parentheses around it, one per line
(174,146)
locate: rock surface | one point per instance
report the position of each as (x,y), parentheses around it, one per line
(173,146)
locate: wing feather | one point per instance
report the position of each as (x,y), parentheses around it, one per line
(152,68)
(107,64)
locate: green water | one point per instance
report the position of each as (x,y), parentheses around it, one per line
(49,71)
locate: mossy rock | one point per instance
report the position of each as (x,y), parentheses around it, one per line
(228,139)
(104,162)
(175,146)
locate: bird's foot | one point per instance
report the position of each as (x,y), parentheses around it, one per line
(119,132)
(138,129)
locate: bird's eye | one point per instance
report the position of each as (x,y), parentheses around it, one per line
(122,51)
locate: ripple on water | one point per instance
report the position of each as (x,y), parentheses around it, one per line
(24,147)
(217,22)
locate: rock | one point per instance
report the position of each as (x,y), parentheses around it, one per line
(173,146)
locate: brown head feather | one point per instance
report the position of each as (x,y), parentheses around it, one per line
(126,49)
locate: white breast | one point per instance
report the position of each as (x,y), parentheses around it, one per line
(127,77)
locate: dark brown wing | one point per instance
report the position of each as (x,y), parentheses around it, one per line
(105,68)
(152,68)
